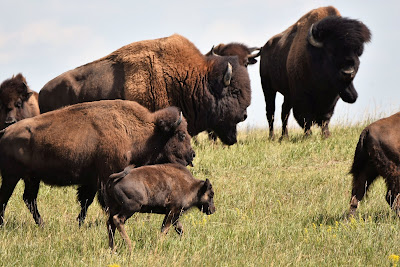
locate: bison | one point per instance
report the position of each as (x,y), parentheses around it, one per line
(17,101)
(168,189)
(213,92)
(378,154)
(243,52)
(83,144)
(312,64)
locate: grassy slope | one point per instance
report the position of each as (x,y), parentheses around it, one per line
(277,204)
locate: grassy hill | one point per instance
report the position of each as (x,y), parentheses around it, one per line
(278,203)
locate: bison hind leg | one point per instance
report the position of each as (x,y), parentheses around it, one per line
(30,196)
(119,222)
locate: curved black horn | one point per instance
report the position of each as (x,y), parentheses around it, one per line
(212,52)
(312,40)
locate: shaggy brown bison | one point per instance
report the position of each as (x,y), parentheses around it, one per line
(243,52)
(312,64)
(83,144)
(213,92)
(168,189)
(17,101)
(378,153)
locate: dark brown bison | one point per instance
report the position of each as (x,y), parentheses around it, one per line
(17,101)
(312,64)
(213,92)
(243,52)
(378,154)
(168,189)
(83,144)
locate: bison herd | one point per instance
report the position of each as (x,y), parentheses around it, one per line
(121,126)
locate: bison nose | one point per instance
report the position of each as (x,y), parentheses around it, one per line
(245,116)
(193,154)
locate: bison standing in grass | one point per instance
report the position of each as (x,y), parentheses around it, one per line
(17,101)
(378,154)
(168,189)
(312,64)
(83,144)
(213,92)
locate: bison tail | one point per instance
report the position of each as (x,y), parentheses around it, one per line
(361,154)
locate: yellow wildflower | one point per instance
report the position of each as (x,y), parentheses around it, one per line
(394,258)
(113,265)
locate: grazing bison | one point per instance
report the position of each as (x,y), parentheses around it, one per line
(168,189)
(83,144)
(312,64)
(378,153)
(243,52)
(17,101)
(213,92)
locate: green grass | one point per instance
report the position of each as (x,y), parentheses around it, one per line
(278,204)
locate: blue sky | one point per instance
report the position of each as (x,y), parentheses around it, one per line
(44,38)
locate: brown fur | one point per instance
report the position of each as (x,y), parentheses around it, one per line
(378,153)
(168,189)
(159,73)
(83,144)
(17,101)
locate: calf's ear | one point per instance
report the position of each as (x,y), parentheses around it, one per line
(169,122)
(206,186)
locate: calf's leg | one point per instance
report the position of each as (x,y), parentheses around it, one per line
(169,219)
(111,231)
(119,222)
(30,196)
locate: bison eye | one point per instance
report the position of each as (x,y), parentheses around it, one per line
(181,136)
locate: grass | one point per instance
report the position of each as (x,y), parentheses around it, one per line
(278,204)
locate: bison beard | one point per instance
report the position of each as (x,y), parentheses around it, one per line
(83,144)
(299,63)
(159,73)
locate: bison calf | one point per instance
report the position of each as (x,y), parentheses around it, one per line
(168,189)
(17,101)
(378,153)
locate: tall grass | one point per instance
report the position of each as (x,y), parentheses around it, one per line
(278,203)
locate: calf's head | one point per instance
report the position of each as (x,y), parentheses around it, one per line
(14,93)
(229,83)
(336,44)
(206,198)
(243,52)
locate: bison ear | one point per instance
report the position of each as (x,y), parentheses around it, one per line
(27,95)
(169,125)
(228,75)
(313,37)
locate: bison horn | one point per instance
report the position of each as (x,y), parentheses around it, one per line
(252,49)
(312,40)
(228,75)
(179,120)
(212,52)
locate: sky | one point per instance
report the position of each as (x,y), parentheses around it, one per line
(42,39)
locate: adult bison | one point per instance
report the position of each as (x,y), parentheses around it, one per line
(242,51)
(312,64)
(378,153)
(213,92)
(83,144)
(17,101)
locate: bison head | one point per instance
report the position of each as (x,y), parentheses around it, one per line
(229,84)
(171,132)
(14,93)
(206,198)
(243,52)
(336,44)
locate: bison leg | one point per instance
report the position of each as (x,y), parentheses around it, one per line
(169,219)
(30,196)
(111,231)
(286,107)
(86,194)
(270,96)
(178,227)
(361,183)
(6,190)
(119,222)
(325,129)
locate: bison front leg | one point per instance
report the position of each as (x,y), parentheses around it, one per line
(6,190)
(286,107)
(30,198)
(270,96)
(178,227)
(325,129)
(169,219)
(86,194)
